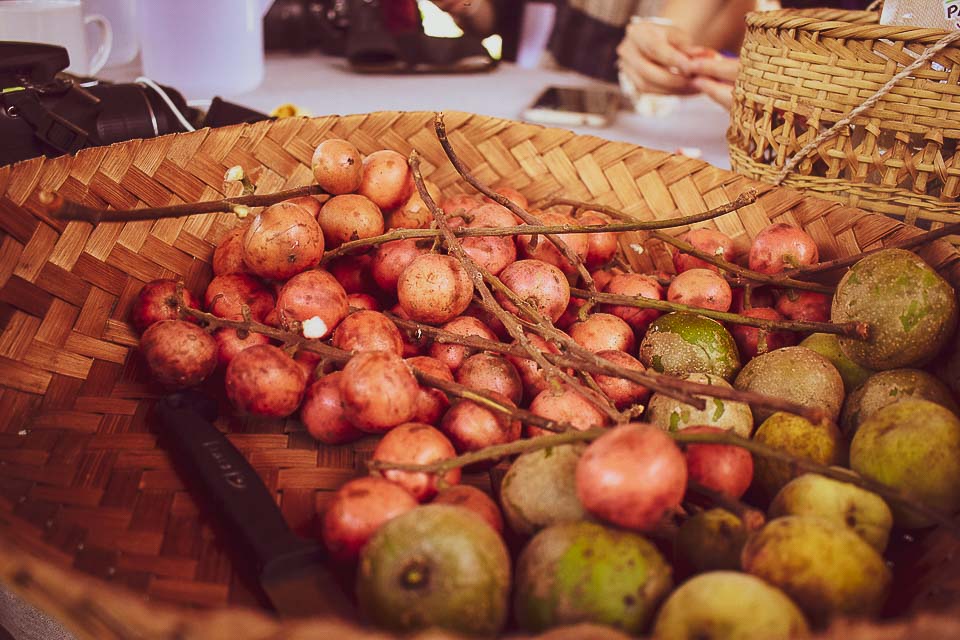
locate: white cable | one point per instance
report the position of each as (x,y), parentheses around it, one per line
(163,96)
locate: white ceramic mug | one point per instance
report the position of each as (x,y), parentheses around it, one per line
(59,22)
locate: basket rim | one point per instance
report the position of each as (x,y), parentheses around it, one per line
(843,24)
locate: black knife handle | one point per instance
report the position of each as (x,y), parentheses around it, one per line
(230,487)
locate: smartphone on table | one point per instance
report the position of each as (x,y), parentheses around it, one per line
(575,106)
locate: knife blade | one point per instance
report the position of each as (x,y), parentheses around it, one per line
(291,571)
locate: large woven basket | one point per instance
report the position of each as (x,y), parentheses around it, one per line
(803,70)
(95,526)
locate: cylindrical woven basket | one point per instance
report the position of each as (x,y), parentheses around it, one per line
(804,70)
(95,526)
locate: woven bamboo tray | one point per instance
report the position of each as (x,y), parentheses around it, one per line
(803,70)
(95,526)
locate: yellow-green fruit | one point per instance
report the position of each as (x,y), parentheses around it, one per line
(888,387)
(914,446)
(840,502)
(540,489)
(828,345)
(797,374)
(911,310)
(679,343)
(728,605)
(821,443)
(671,414)
(585,572)
(435,566)
(826,569)
(711,541)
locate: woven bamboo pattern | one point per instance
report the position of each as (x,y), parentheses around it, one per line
(84,488)
(803,70)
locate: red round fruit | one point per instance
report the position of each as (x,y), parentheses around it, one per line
(337,166)
(431,403)
(511,194)
(412,344)
(362,302)
(632,476)
(721,467)
(453,355)
(228,255)
(601,247)
(391,258)
(566,405)
(602,332)
(312,303)
(752,341)
(415,443)
(634,284)
(602,277)
(456,205)
(349,217)
(387,179)
(491,372)
(226,296)
(158,300)
(548,252)
(434,288)
(709,241)
(779,247)
(701,288)
(471,426)
(414,214)
(179,354)
(283,240)
(467,497)
(353,273)
(309,203)
(491,216)
(540,284)
(322,412)
(378,391)
(229,344)
(806,306)
(491,253)
(624,393)
(368,331)
(534,381)
(357,510)
(264,381)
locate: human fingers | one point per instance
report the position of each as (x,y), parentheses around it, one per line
(659,43)
(654,76)
(719,92)
(718,68)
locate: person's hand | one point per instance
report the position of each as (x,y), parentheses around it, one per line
(459,8)
(472,15)
(714,75)
(655,57)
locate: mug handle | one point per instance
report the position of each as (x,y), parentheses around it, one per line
(106,42)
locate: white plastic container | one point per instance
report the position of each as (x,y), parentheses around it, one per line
(203,48)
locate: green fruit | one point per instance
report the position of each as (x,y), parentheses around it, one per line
(435,566)
(911,310)
(821,443)
(540,489)
(865,513)
(914,446)
(584,572)
(826,569)
(888,387)
(680,343)
(731,606)
(671,414)
(796,374)
(828,345)
(711,541)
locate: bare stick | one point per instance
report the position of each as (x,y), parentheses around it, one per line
(568,253)
(56,206)
(855,330)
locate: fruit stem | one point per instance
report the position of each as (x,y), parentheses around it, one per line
(854,330)
(481,278)
(58,207)
(568,253)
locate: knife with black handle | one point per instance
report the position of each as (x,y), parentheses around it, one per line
(291,570)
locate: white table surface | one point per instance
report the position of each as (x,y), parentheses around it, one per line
(323,86)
